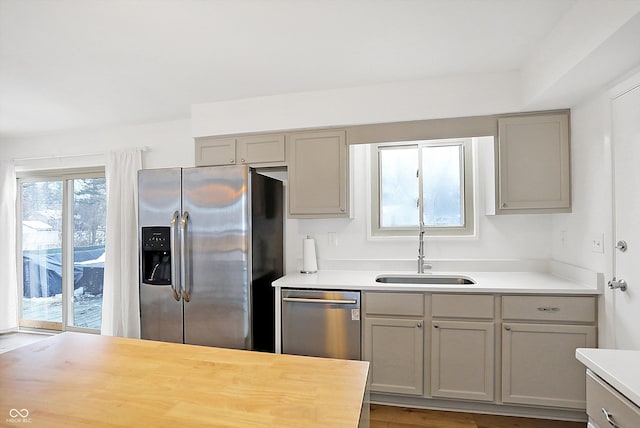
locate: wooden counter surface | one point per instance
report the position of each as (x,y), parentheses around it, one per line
(80,380)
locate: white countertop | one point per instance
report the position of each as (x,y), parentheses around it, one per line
(486,282)
(619,368)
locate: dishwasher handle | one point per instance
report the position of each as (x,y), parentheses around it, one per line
(326,301)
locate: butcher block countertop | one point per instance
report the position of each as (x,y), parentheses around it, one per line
(82,380)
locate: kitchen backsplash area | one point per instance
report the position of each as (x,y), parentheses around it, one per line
(501,242)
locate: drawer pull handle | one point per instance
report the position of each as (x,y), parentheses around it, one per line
(609,418)
(419,325)
(548,309)
(507,328)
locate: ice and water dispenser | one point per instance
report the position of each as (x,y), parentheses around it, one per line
(156,255)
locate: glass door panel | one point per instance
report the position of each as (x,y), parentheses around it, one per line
(89,233)
(42,254)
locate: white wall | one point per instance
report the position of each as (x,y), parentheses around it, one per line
(504,240)
(590,218)
(169,144)
(500,239)
(517,240)
(453,96)
(573,234)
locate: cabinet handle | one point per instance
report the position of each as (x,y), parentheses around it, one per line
(242,160)
(548,309)
(231,161)
(504,205)
(506,327)
(436,326)
(609,418)
(419,325)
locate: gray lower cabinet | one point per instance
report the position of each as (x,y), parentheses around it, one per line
(539,365)
(395,349)
(393,341)
(540,335)
(462,359)
(463,346)
(606,407)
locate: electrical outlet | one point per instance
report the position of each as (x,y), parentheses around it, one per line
(332,239)
(597,243)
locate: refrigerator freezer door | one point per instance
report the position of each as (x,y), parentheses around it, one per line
(158,200)
(217,268)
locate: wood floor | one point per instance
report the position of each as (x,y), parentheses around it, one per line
(13,340)
(401,417)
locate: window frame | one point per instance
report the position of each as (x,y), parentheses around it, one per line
(467,193)
(66,176)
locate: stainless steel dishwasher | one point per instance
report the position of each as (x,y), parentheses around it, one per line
(321,323)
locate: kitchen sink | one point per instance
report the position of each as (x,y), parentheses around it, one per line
(425,279)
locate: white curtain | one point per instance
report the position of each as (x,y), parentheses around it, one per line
(120,304)
(8,273)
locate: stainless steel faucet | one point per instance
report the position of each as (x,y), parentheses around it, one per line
(421,248)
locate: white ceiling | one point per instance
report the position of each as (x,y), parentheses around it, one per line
(68,64)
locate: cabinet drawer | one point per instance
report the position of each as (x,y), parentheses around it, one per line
(601,397)
(549,308)
(461,306)
(409,304)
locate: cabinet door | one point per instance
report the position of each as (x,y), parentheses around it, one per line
(606,405)
(539,366)
(261,149)
(215,151)
(534,163)
(394,347)
(318,174)
(462,360)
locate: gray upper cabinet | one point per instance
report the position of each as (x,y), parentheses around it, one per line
(264,150)
(533,164)
(318,174)
(215,151)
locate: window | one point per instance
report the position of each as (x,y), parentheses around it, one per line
(422,180)
(62,238)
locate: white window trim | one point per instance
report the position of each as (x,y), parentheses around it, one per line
(469,199)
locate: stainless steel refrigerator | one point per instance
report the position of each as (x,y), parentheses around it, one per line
(211,243)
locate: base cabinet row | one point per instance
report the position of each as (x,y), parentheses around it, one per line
(485,360)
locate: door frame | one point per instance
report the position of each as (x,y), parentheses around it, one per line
(619,88)
(67,177)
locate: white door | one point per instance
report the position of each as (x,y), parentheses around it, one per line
(625,113)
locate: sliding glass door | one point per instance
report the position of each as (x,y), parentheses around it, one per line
(42,254)
(62,237)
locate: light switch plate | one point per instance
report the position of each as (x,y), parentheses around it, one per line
(597,243)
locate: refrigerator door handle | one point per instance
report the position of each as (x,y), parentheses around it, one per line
(175,275)
(184,269)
